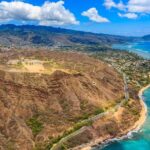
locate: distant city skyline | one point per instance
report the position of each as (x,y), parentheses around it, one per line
(118,17)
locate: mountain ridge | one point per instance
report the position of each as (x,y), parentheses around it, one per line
(147,37)
(31,35)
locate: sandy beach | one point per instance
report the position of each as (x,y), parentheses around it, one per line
(142,119)
(124,134)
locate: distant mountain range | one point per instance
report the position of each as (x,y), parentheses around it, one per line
(30,35)
(147,37)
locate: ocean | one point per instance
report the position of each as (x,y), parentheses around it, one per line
(141,48)
(139,140)
(136,141)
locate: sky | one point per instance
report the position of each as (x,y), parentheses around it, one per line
(119,17)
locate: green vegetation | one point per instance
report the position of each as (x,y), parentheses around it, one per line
(35,125)
(64,147)
(76,127)
(98,111)
(126,103)
(136,68)
(132,108)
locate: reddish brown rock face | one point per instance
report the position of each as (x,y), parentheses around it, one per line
(56,100)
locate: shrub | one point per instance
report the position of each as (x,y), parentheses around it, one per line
(98,111)
(35,125)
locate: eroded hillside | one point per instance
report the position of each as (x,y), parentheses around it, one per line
(38,106)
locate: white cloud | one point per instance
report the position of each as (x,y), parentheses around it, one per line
(50,13)
(139,6)
(111,4)
(132,8)
(121,6)
(128,15)
(93,15)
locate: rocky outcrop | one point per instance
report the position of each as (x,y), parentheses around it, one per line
(37,107)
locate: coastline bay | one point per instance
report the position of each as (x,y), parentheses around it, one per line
(137,140)
(141,48)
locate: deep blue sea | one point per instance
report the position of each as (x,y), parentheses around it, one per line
(139,140)
(142,48)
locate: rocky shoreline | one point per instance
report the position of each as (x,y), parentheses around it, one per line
(138,124)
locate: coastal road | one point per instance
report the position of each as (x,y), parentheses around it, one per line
(96,117)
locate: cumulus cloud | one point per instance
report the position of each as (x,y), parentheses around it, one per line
(132,9)
(50,13)
(139,6)
(111,4)
(93,15)
(128,15)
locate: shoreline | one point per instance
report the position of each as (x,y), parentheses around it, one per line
(136,127)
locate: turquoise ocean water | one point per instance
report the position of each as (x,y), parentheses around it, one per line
(139,140)
(142,48)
